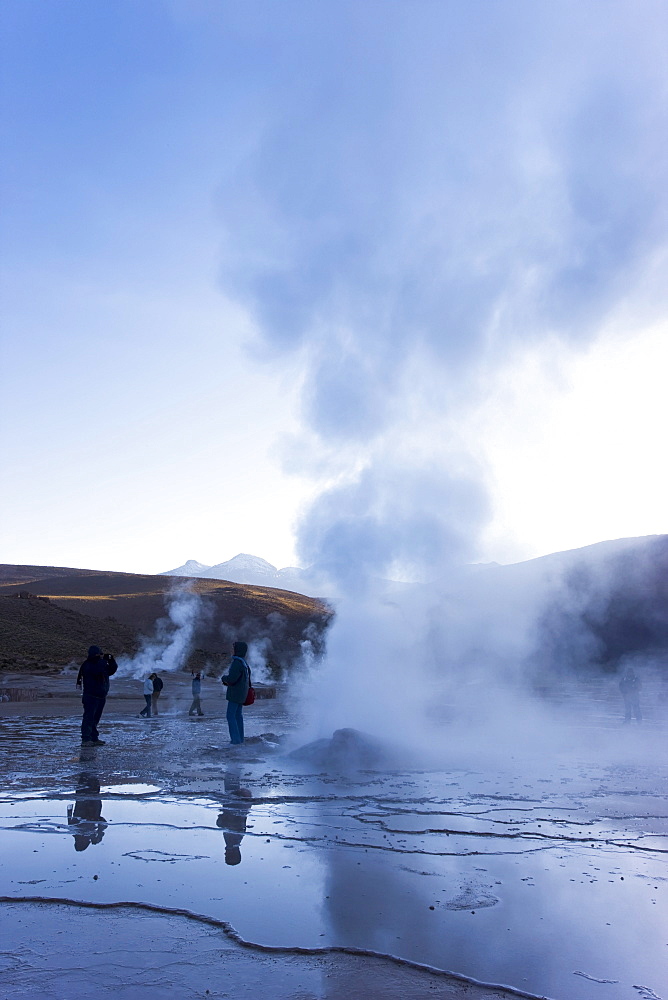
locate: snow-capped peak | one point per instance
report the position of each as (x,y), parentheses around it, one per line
(189,568)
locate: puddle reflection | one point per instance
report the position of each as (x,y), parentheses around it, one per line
(233,818)
(85,816)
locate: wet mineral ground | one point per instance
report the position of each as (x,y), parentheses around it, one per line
(169,864)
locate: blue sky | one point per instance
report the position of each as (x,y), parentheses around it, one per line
(392,256)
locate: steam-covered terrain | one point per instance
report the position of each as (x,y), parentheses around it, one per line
(445,794)
(49,616)
(568,616)
(449,784)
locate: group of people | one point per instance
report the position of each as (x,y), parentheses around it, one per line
(95,671)
(153,686)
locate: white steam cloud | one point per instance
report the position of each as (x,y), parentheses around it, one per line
(168,650)
(433,188)
(269,650)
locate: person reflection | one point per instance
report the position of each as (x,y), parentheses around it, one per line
(232,820)
(86,813)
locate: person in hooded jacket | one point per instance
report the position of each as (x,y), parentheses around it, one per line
(630,686)
(155,694)
(93,679)
(237,682)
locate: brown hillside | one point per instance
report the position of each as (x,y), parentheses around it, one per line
(37,635)
(136,602)
(12,573)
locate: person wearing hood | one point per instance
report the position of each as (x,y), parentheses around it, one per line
(93,679)
(157,688)
(237,682)
(630,685)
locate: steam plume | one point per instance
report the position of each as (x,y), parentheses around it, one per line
(480,179)
(168,650)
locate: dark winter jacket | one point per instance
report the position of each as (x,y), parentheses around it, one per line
(95,672)
(630,683)
(237,680)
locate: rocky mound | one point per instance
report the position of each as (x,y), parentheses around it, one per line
(347,750)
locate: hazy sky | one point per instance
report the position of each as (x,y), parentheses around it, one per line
(331,280)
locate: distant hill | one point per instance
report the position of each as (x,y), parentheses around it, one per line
(116,609)
(38,634)
(10,573)
(578,612)
(604,603)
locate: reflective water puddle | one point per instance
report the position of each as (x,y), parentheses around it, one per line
(504,885)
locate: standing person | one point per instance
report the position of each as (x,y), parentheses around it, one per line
(237,682)
(155,694)
(93,679)
(630,687)
(196,689)
(148,696)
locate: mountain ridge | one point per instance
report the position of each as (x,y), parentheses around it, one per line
(248,569)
